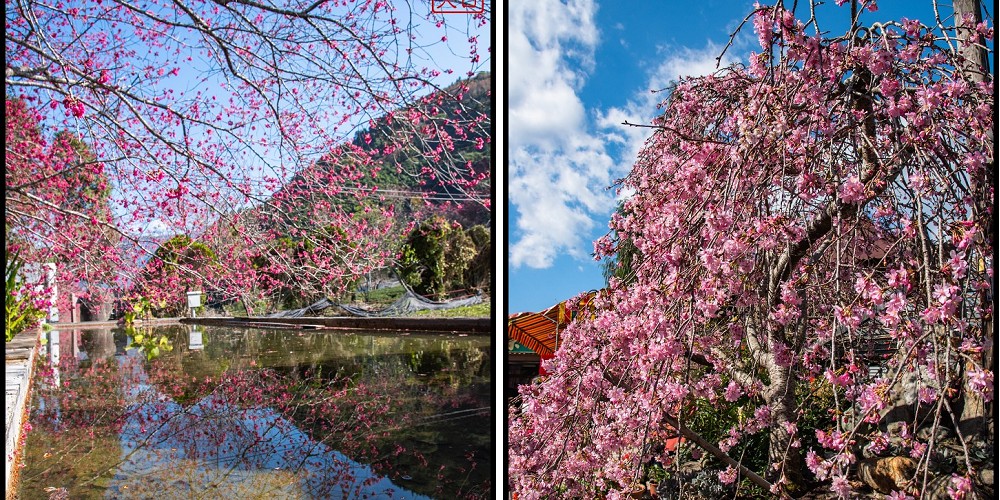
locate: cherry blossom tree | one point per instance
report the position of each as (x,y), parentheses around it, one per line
(54,187)
(161,282)
(816,242)
(197,113)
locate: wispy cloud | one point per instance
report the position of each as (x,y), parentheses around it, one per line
(641,108)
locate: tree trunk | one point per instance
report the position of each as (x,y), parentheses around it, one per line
(246,306)
(780,397)
(972,423)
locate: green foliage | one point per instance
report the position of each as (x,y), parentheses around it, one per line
(151,345)
(713,421)
(815,401)
(626,258)
(479,273)
(402,167)
(409,160)
(140,308)
(182,250)
(436,256)
(21,312)
(384,296)
(698,477)
(458,254)
(656,473)
(281,261)
(178,265)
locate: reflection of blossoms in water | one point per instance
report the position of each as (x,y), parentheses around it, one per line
(86,396)
(233,442)
(290,431)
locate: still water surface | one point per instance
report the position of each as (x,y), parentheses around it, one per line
(244,413)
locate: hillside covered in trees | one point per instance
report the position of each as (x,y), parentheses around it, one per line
(360,208)
(392,162)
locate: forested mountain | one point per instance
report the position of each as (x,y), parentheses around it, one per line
(433,159)
(471,144)
(352,211)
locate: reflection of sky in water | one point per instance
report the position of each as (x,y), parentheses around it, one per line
(107,424)
(217,450)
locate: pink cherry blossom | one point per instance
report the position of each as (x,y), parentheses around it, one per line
(801,231)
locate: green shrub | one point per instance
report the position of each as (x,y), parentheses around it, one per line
(437,255)
(21,311)
(384,296)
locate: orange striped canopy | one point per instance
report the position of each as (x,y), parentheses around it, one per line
(540,331)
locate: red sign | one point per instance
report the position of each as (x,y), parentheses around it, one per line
(458,6)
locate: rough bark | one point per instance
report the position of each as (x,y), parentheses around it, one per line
(972,423)
(791,464)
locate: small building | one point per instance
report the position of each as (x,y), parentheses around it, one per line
(535,336)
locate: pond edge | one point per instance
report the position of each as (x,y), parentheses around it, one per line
(20,354)
(476,326)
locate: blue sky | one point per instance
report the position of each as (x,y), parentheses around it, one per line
(576,69)
(445,48)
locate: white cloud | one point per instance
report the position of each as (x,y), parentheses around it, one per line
(559,161)
(155,228)
(558,170)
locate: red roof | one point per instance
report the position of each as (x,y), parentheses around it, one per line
(540,331)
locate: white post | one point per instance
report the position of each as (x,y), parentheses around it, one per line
(50,282)
(54,355)
(194,301)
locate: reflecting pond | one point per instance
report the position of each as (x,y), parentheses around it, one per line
(216,412)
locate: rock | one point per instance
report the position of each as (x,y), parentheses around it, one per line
(887,474)
(939,433)
(988,477)
(937,488)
